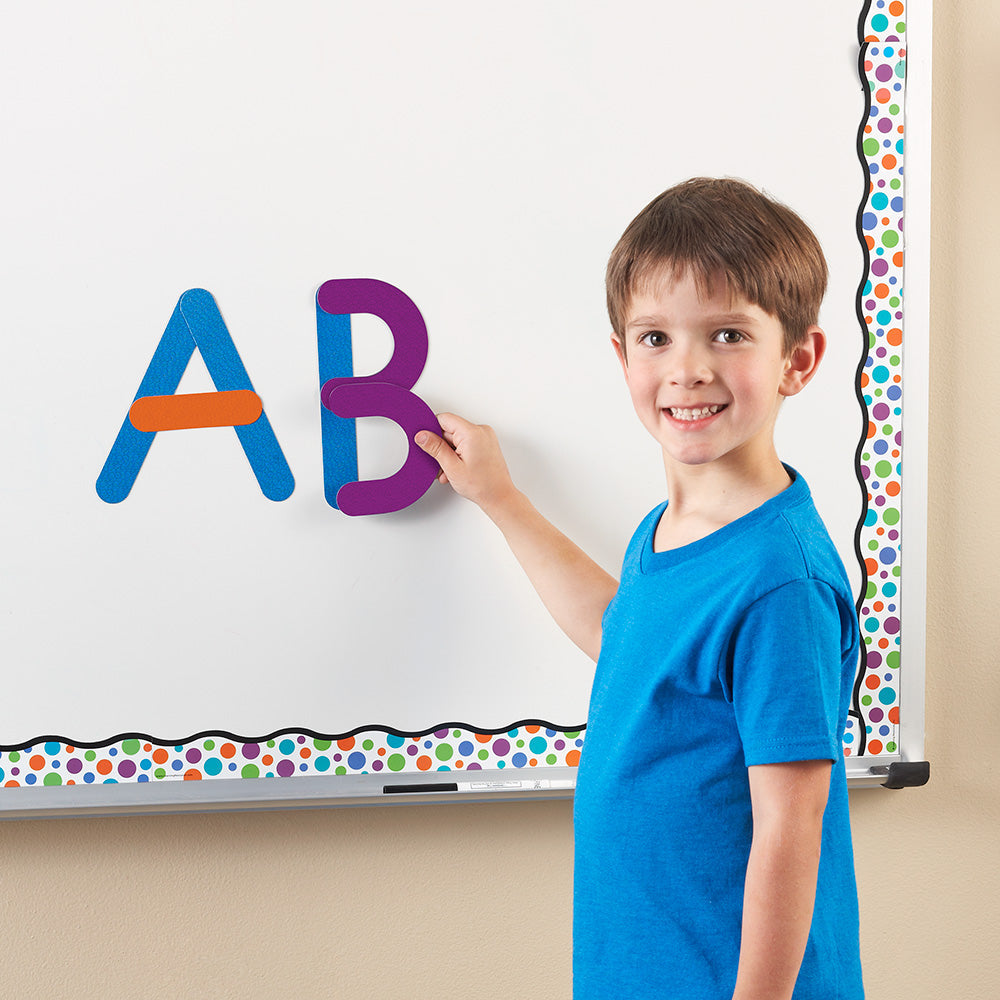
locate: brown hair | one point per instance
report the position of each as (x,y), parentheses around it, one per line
(720,227)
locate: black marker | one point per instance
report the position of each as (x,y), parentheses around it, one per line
(441,786)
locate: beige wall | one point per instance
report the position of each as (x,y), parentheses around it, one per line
(474,901)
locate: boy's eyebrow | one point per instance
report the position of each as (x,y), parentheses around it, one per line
(715,319)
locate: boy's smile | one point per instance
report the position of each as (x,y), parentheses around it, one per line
(707,372)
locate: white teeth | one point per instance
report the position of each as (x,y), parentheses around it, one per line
(698,414)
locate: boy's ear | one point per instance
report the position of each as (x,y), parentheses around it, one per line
(801,364)
(620,352)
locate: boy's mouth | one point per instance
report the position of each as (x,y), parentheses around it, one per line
(695,413)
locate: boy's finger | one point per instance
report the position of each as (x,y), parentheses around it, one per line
(437,448)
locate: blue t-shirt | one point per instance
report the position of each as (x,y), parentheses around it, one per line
(738,649)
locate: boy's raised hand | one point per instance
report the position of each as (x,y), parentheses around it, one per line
(571,585)
(471,461)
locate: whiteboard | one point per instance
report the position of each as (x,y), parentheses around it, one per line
(483,163)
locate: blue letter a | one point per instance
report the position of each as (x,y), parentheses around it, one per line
(197,322)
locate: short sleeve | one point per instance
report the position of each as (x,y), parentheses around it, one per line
(785,673)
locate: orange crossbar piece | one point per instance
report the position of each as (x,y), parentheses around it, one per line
(196,409)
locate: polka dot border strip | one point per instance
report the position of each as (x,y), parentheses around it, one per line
(873,728)
(289,754)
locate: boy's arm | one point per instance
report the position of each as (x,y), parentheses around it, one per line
(574,589)
(788,802)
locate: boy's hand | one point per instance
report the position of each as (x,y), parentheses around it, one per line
(471,461)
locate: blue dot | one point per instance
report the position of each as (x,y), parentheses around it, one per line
(213,766)
(869,220)
(143,778)
(30,779)
(848,737)
(394,741)
(286,746)
(518,760)
(897,204)
(881,446)
(879,23)
(879,201)
(887,556)
(52,748)
(177,764)
(321,763)
(465,748)
(356,760)
(538,745)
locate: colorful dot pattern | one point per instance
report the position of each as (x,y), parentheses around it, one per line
(873,728)
(286,755)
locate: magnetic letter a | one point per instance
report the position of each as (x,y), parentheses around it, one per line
(196,322)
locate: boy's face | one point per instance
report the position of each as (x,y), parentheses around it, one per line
(707,372)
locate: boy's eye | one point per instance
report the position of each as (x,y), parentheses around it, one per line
(729,336)
(653,338)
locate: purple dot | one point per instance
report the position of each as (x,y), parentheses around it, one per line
(874,659)
(883,73)
(876,715)
(559,745)
(193,755)
(377,765)
(892,625)
(250,750)
(884,124)
(412,750)
(501,748)
(286,768)
(880,411)
(441,733)
(126,768)
(74,765)
(879,266)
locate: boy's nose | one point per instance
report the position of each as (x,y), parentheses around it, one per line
(689,367)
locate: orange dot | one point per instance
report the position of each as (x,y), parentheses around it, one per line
(878,606)
(267,760)
(70,749)
(160,756)
(892,488)
(885,220)
(192,774)
(874,746)
(897,258)
(897,378)
(900,130)
(896,8)
(882,95)
(459,764)
(881,290)
(305,753)
(895,453)
(483,737)
(532,729)
(872,430)
(847,751)
(871,567)
(533,762)
(883,644)
(880,531)
(381,751)
(573,758)
(347,744)
(870,240)
(425,763)
(872,682)
(104,767)
(894,715)
(888,161)
(894,336)
(868,128)
(227,750)
(37,762)
(12,784)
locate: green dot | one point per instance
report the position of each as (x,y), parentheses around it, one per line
(90,755)
(444,751)
(873,545)
(890,747)
(895,183)
(52,779)
(131,747)
(209,744)
(340,770)
(870,147)
(483,754)
(367,745)
(322,744)
(159,773)
(551,759)
(883,469)
(270,743)
(396,762)
(456,733)
(871,590)
(250,771)
(901,27)
(572,736)
(889,238)
(895,571)
(892,660)
(866,699)
(893,109)
(13,756)
(890,515)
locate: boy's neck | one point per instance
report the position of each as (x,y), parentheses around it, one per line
(708,497)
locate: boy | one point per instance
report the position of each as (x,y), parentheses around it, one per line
(713,852)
